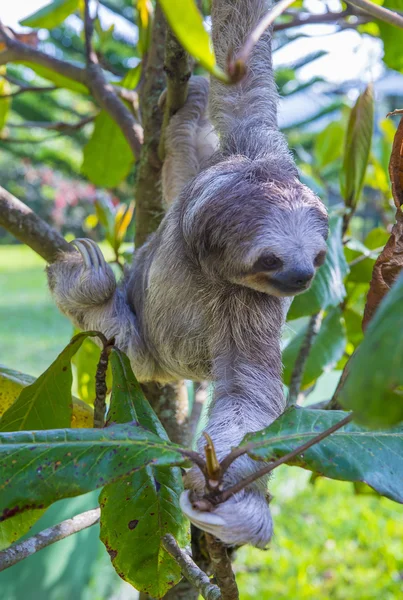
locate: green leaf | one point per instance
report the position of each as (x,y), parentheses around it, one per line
(327,288)
(51,15)
(13,529)
(107,155)
(139,510)
(132,77)
(326,350)
(392,38)
(191,34)
(329,144)
(41,467)
(373,386)
(357,147)
(350,454)
(46,403)
(5,103)
(59,80)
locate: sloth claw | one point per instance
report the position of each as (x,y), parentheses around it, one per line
(90,252)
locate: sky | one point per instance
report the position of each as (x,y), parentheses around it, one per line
(350,56)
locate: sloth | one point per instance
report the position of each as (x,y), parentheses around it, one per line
(206,296)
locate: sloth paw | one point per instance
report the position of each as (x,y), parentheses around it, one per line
(81,278)
(243,519)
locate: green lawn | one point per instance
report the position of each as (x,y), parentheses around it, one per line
(328,542)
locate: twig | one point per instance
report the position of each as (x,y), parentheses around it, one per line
(298,371)
(223,496)
(237,65)
(60,126)
(101,389)
(32,88)
(30,229)
(17,552)
(178,69)
(104,93)
(307,19)
(379,12)
(190,570)
(222,568)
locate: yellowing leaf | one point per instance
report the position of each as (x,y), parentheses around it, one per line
(5,103)
(186,22)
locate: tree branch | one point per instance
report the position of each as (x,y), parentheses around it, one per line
(297,375)
(178,69)
(190,570)
(328,17)
(222,568)
(30,229)
(29,88)
(105,94)
(17,552)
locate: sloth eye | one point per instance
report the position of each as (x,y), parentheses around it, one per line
(320,258)
(268,262)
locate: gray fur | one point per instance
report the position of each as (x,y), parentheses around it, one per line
(194,304)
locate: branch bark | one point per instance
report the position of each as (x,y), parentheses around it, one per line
(17,552)
(191,571)
(222,568)
(26,226)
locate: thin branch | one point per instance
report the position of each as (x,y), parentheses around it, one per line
(190,570)
(223,496)
(60,126)
(298,371)
(30,229)
(237,64)
(101,389)
(379,12)
(105,94)
(307,19)
(29,88)
(222,568)
(17,552)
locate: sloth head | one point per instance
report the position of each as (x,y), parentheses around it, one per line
(247,227)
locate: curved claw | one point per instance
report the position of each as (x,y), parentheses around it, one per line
(89,250)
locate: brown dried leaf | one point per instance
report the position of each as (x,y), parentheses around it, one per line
(390,262)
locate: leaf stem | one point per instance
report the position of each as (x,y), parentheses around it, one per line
(223,496)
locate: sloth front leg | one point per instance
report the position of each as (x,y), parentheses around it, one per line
(84,288)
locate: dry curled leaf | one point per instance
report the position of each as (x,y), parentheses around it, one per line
(390,262)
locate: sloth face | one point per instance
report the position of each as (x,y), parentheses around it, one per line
(284,254)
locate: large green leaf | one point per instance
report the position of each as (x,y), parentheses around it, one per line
(46,403)
(350,454)
(186,22)
(327,288)
(329,144)
(40,467)
(51,15)
(357,147)
(327,348)
(139,510)
(392,38)
(107,156)
(373,388)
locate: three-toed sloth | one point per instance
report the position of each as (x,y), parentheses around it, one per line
(207,294)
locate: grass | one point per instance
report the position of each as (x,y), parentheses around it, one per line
(328,543)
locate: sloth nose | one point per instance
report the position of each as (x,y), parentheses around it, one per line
(298,277)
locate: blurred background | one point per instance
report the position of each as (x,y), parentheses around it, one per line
(332,539)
